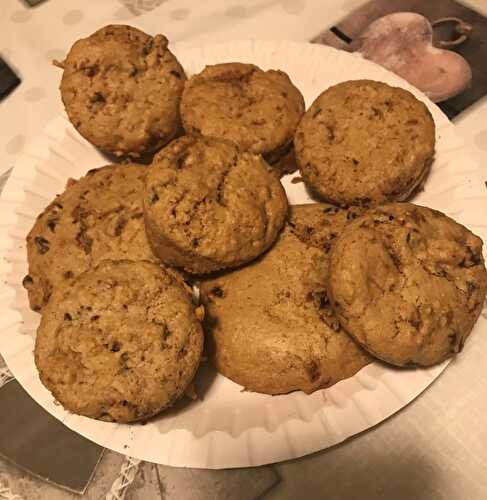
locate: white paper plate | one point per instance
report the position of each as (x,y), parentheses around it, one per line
(228,428)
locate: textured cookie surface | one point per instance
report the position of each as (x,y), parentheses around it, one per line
(121,343)
(258,110)
(98,217)
(408,283)
(365,143)
(121,89)
(209,206)
(269,325)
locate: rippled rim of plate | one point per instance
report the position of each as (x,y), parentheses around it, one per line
(228,428)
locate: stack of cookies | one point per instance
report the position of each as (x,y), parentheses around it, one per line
(289,298)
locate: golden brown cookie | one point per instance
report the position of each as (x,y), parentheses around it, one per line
(365,143)
(269,325)
(257,110)
(121,89)
(97,217)
(121,343)
(408,283)
(209,206)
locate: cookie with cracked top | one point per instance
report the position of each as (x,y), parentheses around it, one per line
(121,89)
(98,217)
(209,206)
(365,143)
(257,110)
(121,343)
(408,283)
(269,324)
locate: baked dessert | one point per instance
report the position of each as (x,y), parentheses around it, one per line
(121,89)
(97,217)
(269,326)
(408,283)
(257,110)
(210,206)
(365,143)
(121,343)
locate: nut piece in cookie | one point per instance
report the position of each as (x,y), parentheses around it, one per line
(209,206)
(120,343)
(408,283)
(269,325)
(257,110)
(365,143)
(98,217)
(121,89)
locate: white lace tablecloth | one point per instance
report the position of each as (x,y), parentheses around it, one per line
(433,449)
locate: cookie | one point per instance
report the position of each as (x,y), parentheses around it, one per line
(209,206)
(121,89)
(257,110)
(269,326)
(97,217)
(121,343)
(365,143)
(408,283)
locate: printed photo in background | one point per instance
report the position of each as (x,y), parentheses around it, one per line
(439,46)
